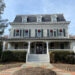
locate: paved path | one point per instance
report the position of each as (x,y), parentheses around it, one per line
(30,65)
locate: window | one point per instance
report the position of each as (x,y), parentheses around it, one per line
(60,32)
(50,33)
(46,19)
(31,19)
(26,33)
(17,32)
(16,46)
(39,32)
(60,18)
(51,45)
(25,45)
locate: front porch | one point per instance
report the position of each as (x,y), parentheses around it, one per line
(37,47)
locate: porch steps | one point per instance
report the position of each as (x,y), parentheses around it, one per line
(38,58)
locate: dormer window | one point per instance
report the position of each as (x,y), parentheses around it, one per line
(60,18)
(31,19)
(46,19)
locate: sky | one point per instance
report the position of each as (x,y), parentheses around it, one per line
(15,7)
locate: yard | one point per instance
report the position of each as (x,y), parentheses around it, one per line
(4,66)
(67,67)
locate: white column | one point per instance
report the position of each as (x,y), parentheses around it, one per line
(9,45)
(29,47)
(47,47)
(4,45)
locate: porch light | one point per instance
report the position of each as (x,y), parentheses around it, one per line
(39,31)
(51,30)
(26,30)
(17,30)
(60,30)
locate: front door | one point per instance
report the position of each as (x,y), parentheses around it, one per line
(39,48)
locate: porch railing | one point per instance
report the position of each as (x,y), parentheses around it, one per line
(17,49)
(61,49)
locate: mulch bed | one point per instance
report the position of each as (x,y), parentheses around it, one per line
(10,65)
(35,71)
(67,67)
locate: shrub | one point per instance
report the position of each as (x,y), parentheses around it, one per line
(62,56)
(9,56)
(0,49)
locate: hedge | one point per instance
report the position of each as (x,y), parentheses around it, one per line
(10,56)
(0,49)
(62,57)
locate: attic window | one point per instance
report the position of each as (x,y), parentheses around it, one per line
(46,19)
(31,19)
(60,18)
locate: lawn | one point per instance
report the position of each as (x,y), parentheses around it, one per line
(67,67)
(4,66)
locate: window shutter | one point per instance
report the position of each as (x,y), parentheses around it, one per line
(42,32)
(29,32)
(54,33)
(48,32)
(14,33)
(64,32)
(35,32)
(57,32)
(20,32)
(23,32)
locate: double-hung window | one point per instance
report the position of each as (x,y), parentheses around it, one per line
(60,33)
(50,33)
(26,33)
(39,32)
(17,32)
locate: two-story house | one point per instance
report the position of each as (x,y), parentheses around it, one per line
(39,34)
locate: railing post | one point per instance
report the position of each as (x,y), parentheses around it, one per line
(4,45)
(47,47)
(29,47)
(9,46)
(28,51)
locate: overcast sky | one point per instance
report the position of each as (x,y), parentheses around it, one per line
(14,7)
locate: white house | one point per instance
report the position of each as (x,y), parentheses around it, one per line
(39,34)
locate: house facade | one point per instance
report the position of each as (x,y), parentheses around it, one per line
(39,34)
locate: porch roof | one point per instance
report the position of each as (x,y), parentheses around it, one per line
(50,39)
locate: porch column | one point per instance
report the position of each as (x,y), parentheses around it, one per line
(47,46)
(9,45)
(4,45)
(29,47)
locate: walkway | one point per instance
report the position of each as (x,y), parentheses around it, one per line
(42,65)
